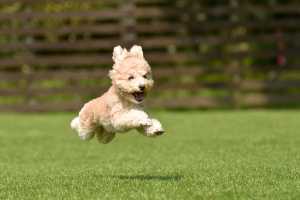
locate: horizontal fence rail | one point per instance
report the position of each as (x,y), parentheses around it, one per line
(55,57)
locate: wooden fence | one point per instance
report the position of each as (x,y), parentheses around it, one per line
(204,55)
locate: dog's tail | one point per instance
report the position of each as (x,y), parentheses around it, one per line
(75,123)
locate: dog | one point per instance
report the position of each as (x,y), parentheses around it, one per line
(119,109)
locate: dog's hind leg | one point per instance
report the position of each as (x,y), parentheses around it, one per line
(84,132)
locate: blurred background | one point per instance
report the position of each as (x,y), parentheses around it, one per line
(55,55)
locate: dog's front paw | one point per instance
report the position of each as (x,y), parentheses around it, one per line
(155,129)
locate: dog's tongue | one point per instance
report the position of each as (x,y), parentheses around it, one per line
(139,96)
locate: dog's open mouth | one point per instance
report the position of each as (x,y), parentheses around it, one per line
(139,96)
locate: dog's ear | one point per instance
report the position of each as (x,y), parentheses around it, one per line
(119,54)
(137,51)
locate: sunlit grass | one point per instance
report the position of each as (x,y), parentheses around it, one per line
(204,155)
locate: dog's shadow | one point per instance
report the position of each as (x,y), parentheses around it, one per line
(148,177)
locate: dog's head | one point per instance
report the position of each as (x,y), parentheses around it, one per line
(131,74)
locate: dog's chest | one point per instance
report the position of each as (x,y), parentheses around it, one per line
(115,110)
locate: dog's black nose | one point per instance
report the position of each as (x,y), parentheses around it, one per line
(142,87)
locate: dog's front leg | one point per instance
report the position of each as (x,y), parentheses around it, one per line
(154,130)
(131,119)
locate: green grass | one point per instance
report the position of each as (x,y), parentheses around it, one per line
(204,155)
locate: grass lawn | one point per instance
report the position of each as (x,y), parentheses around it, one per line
(204,155)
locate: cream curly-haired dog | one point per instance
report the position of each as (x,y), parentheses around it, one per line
(119,109)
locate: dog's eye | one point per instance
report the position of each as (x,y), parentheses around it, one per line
(130,77)
(146,76)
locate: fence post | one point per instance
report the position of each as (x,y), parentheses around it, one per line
(235,70)
(27,69)
(236,81)
(128,23)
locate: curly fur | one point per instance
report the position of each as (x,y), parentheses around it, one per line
(119,109)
